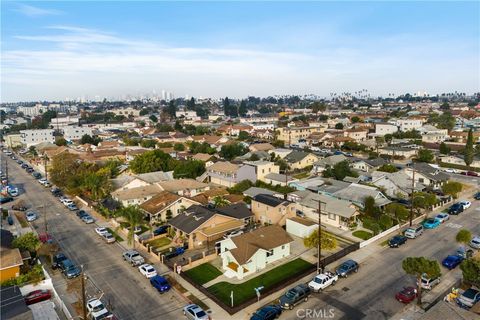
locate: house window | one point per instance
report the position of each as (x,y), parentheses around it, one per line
(269,253)
(283,247)
(332,216)
(420,180)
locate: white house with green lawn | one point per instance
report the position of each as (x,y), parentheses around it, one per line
(251,252)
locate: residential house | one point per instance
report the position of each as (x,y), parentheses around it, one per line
(261,147)
(125,181)
(462,136)
(71,133)
(234,130)
(205,157)
(184,187)
(368,165)
(395,152)
(279,179)
(300,159)
(357,193)
(292,135)
(335,212)
(254,191)
(356,134)
(263,168)
(209,196)
(269,209)
(13,140)
(396,184)
(137,195)
(427,175)
(460,161)
(10,258)
(281,152)
(320,165)
(301,227)
(252,252)
(200,226)
(229,174)
(409,124)
(166,205)
(383,128)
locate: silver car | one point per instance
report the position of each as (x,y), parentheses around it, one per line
(31,216)
(475,242)
(194,312)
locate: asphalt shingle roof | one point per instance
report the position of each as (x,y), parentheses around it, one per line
(269,200)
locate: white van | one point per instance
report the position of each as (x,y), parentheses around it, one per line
(427,283)
(413,232)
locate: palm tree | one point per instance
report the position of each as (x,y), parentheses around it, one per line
(134,217)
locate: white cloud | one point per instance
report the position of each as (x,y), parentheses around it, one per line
(32,11)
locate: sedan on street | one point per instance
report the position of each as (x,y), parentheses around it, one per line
(31,216)
(397,241)
(431,223)
(160,283)
(267,313)
(406,295)
(475,242)
(147,270)
(466,204)
(442,217)
(101,231)
(452,261)
(347,267)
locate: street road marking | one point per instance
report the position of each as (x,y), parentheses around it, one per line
(454,225)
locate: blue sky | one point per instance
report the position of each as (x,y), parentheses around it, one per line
(55,50)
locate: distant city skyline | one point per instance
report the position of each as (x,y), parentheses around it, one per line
(54,50)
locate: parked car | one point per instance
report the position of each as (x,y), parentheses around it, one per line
(428,283)
(267,313)
(10,220)
(294,296)
(5,200)
(175,252)
(232,234)
(96,309)
(397,241)
(476,196)
(194,312)
(475,242)
(13,192)
(322,281)
(29,170)
(431,223)
(468,298)
(160,283)
(31,216)
(57,260)
(45,238)
(147,270)
(108,237)
(133,257)
(24,166)
(69,269)
(347,267)
(37,296)
(464,253)
(470,173)
(452,261)
(466,204)
(72,207)
(455,209)
(160,230)
(56,191)
(406,295)
(88,219)
(81,213)
(414,232)
(101,231)
(442,217)
(36,175)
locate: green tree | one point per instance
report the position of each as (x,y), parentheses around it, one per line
(220,201)
(134,217)
(172,109)
(233,150)
(254,157)
(97,184)
(150,161)
(469,152)
(227,107)
(242,109)
(27,241)
(385,221)
(398,211)
(328,242)
(240,187)
(355,119)
(452,188)
(369,206)
(417,266)
(90,140)
(425,155)
(318,107)
(153,118)
(243,135)
(424,199)
(148,143)
(388,168)
(463,236)
(179,147)
(444,149)
(60,141)
(189,169)
(339,126)
(471,271)
(191,104)
(339,171)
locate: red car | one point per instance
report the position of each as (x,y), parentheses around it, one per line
(407,295)
(37,296)
(45,238)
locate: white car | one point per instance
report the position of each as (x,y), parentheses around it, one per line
(147,270)
(31,216)
(101,231)
(466,204)
(96,308)
(442,217)
(194,312)
(233,234)
(475,242)
(108,237)
(42,181)
(322,281)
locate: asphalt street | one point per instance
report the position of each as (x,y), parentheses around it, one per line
(370,293)
(130,294)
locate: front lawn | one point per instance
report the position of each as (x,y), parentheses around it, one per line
(245,291)
(203,273)
(362,234)
(159,242)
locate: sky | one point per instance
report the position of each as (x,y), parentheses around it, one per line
(55,50)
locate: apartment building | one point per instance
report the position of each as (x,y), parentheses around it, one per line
(292,135)
(71,133)
(34,137)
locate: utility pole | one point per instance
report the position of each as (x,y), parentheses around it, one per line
(84,296)
(45,158)
(319,247)
(411,195)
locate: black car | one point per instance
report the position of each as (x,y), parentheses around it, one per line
(57,260)
(56,191)
(397,241)
(24,166)
(267,313)
(160,230)
(82,213)
(29,170)
(456,209)
(37,175)
(5,200)
(294,296)
(347,267)
(477,196)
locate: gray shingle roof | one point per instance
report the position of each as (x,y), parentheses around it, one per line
(254,191)
(269,200)
(296,156)
(237,210)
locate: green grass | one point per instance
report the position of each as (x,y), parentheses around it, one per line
(115,235)
(203,273)
(245,291)
(301,175)
(159,242)
(362,234)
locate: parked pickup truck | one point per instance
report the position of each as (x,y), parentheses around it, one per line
(322,281)
(294,296)
(133,257)
(175,252)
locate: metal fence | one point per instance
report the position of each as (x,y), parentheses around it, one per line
(340,254)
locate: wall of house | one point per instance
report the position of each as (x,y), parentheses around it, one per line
(222,180)
(246,172)
(135,184)
(263,170)
(9,273)
(327,217)
(300,230)
(272,215)
(305,162)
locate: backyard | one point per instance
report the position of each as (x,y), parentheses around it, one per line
(159,242)
(245,291)
(203,273)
